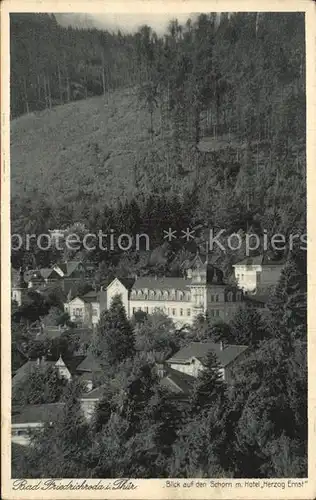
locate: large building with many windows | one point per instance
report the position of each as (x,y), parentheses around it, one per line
(201,290)
(182,299)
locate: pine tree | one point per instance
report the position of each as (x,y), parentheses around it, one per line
(115,338)
(209,386)
(247,327)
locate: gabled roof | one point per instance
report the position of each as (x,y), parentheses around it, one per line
(25,370)
(73,363)
(96,393)
(250,261)
(266,259)
(168,283)
(200,351)
(18,358)
(89,364)
(177,382)
(44,413)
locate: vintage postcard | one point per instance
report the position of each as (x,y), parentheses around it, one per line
(158,309)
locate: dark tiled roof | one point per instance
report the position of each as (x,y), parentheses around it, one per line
(96,393)
(18,358)
(263,259)
(24,372)
(89,364)
(50,412)
(178,382)
(161,283)
(73,363)
(200,350)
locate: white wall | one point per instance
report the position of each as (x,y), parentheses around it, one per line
(246,276)
(117,288)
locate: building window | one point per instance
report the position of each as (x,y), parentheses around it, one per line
(134,310)
(229,296)
(188,312)
(181,312)
(216,312)
(180,296)
(238,296)
(173,312)
(216,298)
(212,298)
(165,295)
(94,311)
(78,311)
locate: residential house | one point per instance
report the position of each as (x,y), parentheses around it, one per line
(191,359)
(31,418)
(260,272)
(86,310)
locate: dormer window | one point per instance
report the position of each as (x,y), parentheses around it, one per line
(133,294)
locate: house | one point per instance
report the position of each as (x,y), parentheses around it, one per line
(258,272)
(191,359)
(86,310)
(83,366)
(41,363)
(43,277)
(201,290)
(27,419)
(18,286)
(88,370)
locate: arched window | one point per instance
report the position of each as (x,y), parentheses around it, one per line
(158,294)
(180,295)
(238,296)
(165,294)
(139,293)
(151,294)
(133,294)
(230,296)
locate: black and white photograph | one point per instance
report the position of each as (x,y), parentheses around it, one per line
(158,249)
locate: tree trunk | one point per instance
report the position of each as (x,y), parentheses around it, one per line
(60,85)
(26,102)
(49,94)
(45,91)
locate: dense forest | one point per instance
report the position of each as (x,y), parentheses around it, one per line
(204,125)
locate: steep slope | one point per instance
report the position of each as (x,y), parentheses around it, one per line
(90,146)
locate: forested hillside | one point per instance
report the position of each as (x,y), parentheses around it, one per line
(209,117)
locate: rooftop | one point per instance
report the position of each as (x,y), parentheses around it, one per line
(50,412)
(200,351)
(96,393)
(177,382)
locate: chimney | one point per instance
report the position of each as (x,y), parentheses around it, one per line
(161,370)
